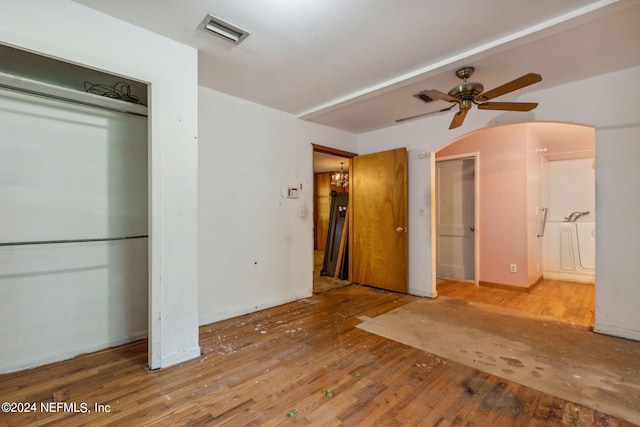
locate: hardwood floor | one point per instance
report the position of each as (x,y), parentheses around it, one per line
(567,301)
(302,363)
(324,283)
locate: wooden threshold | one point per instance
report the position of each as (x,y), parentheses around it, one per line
(508,287)
(503,286)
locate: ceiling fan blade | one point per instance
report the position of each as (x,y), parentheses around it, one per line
(519,83)
(404,119)
(458,119)
(436,94)
(509,106)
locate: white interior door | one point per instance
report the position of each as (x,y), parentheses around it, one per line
(455,212)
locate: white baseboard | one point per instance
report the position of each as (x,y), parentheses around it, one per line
(616,331)
(59,357)
(180,356)
(216,317)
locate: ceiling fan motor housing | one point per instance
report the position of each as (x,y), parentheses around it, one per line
(466,90)
(466,104)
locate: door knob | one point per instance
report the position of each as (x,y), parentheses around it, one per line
(400,229)
(473,229)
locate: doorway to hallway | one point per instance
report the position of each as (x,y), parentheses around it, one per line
(326,162)
(456,218)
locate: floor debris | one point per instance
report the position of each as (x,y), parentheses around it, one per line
(61,395)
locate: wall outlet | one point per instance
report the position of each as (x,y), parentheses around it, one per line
(513,268)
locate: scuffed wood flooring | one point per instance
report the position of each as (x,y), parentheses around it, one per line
(566,301)
(302,363)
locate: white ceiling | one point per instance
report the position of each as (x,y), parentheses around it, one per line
(323,162)
(354,64)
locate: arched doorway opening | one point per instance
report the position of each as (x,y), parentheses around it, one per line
(533,222)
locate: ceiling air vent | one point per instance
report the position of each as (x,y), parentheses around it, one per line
(223,29)
(423,97)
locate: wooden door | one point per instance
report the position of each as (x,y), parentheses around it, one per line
(455,212)
(378,203)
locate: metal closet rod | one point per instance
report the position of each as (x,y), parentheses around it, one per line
(45,90)
(51,242)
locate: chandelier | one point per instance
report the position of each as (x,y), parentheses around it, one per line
(340,178)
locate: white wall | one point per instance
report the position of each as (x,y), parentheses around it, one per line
(255,245)
(62,300)
(66,30)
(571,187)
(614,112)
(618,231)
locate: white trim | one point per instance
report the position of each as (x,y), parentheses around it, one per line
(432,179)
(420,293)
(617,331)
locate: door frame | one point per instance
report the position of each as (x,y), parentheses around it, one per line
(335,152)
(476,214)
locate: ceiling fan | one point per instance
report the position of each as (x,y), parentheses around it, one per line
(467,93)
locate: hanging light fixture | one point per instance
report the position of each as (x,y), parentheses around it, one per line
(340,178)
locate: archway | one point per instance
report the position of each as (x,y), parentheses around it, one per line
(516,166)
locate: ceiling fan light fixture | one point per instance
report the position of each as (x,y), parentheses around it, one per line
(223,29)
